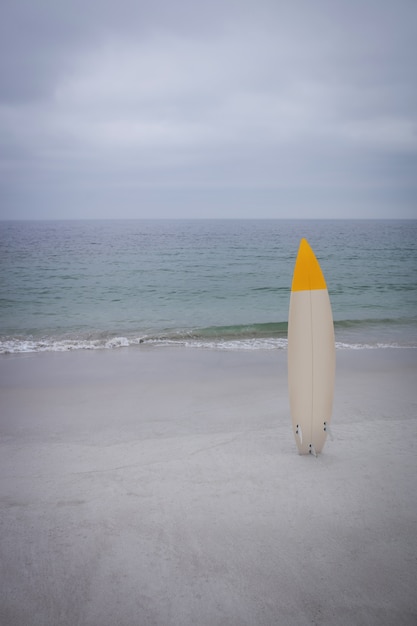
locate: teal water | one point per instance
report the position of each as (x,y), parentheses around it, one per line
(217,283)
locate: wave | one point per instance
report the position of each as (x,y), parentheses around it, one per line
(350,335)
(374,322)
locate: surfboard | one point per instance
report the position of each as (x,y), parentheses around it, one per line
(311,353)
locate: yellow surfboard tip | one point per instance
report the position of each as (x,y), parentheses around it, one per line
(307,271)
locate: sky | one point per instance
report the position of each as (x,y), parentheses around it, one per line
(220,108)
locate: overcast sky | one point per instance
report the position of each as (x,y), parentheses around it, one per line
(221,108)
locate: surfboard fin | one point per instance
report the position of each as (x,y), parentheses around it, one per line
(299,433)
(327,429)
(312,450)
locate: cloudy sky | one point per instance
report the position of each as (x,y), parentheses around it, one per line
(220,108)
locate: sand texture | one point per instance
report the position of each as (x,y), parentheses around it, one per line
(163,487)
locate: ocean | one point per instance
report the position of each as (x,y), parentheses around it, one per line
(222,284)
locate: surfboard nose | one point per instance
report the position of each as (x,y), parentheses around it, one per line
(307,271)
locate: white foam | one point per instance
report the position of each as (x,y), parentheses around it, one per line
(17,345)
(241,344)
(371,346)
(117,342)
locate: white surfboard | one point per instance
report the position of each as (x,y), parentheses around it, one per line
(311,353)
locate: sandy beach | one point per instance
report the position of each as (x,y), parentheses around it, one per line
(148,486)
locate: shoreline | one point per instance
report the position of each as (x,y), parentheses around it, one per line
(241,338)
(163,486)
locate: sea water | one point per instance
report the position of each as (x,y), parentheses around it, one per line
(221,284)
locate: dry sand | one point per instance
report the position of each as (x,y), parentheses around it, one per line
(163,487)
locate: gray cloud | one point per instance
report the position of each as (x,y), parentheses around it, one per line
(208,109)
